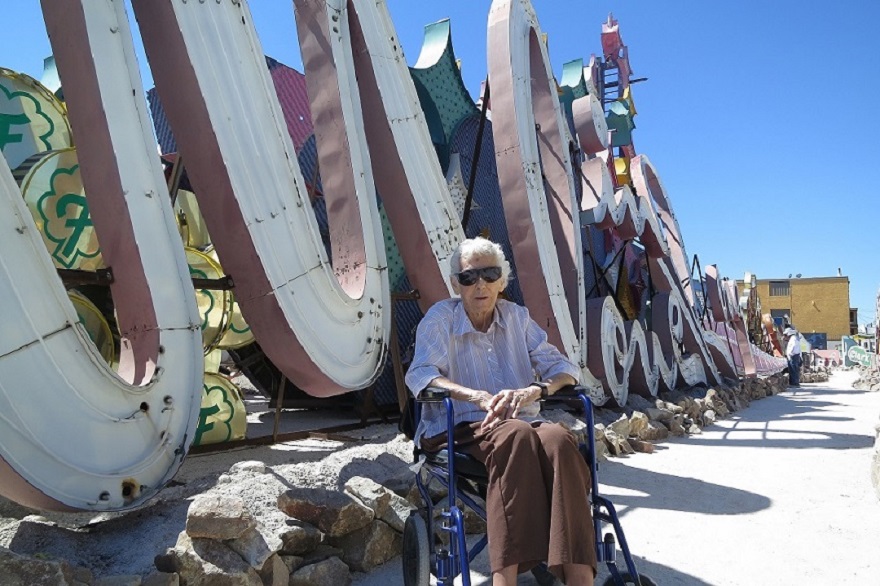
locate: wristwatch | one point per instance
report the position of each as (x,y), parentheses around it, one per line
(540,385)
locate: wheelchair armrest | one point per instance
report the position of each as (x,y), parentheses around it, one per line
(573,395)
(432,395)
(566,393)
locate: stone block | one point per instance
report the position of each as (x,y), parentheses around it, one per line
(218,517)
(274,572)
(334,513)
(19,570)
(370,546)
(207,562)
(299,538)
(330,571)
(255,546)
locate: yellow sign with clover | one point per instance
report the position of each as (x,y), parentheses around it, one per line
(53,190)
(32,119)
(222,417)
(215,305)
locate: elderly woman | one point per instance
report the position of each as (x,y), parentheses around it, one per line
(495,360)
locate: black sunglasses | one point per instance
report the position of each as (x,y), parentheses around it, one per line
(470,276)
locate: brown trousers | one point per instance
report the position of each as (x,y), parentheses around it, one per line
(537,504)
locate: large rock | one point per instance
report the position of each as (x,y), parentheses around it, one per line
(669,405)
(255,546)
(638,422)
(714,400)
(756,388)
(330,571)
(659,414)
(474,524)
(293,562)
(275,572)
(621,427)
(601,447)
(689,407)
(654,431)
(252,467)
(285,535)
(386,505)
(575,425)
(325,551)
(207,562)
(400,481)
(676,425)
(617,444)
(369,547)
(709,417)
(638,403)
(299,538)
(220,517)
(334,513)
(370,493)
(19,570)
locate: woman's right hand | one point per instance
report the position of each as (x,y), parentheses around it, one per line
(497,407)
(486,401)
(483,399)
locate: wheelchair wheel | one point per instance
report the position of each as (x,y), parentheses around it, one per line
(416,555)
(628,580)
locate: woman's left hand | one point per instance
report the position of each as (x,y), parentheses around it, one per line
(507,403)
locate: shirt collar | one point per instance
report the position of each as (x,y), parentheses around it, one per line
(462,324)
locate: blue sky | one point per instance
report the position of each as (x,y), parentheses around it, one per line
(758,116)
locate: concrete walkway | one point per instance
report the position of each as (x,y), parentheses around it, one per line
(777,494)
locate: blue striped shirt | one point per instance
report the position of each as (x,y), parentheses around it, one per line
(508,356)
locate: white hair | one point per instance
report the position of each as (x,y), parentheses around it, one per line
(480,246)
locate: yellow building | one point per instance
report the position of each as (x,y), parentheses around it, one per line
(817,306)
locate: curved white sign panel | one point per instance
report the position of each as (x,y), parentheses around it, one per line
(408,174)
(325,326)
(536,179)
(85,438)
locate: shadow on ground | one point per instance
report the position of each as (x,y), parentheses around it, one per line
(665,491)
(776,411)
(660,574)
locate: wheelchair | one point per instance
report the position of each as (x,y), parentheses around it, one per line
(439,546)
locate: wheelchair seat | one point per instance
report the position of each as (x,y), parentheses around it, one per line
(465,465)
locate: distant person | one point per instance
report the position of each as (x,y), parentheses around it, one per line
(793,352)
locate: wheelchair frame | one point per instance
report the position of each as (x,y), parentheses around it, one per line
(449,563)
